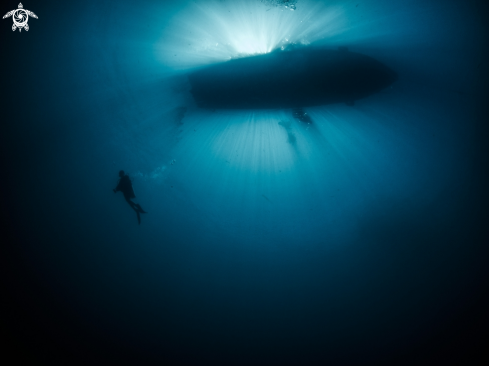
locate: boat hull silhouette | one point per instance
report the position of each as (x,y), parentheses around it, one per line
(290,79)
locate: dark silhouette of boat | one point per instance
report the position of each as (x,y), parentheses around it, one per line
(290,78)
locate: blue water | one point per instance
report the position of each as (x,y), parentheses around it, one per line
(359,238)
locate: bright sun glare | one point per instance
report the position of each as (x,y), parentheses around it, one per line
(215,31)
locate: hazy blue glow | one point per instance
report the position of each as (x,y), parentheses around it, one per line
(397,146)
(317,181)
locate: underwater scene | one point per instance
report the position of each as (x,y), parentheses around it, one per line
(245,182)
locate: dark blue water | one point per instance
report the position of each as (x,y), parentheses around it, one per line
(359,238)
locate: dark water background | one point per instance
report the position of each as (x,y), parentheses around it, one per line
(359,239)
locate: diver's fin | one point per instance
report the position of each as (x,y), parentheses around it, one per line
(140,209)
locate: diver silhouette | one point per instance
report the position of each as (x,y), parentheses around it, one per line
(125,186)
